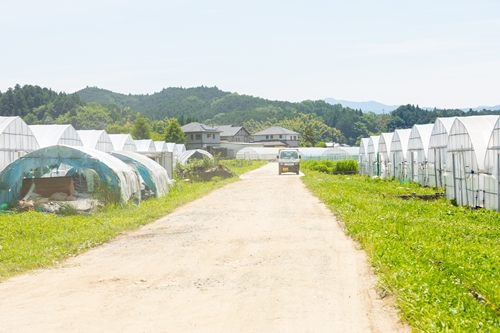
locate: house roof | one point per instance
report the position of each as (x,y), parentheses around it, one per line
(275,130)
(229,130)
(198,127)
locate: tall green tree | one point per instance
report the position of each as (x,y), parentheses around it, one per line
(141,129)
(174,133)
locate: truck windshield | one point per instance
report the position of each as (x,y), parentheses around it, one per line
(288,155)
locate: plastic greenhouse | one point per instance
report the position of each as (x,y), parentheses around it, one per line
(399,150)
(363,156)
(384,151)
(120,178)
(465,157)
(373,157)
(123,142)
(96,140)
(418,147)
(153,174)
(310,153)
(193,153)
(145,145)
(340,153)
(160,146)
(50,135)
(436,156)
(492,170)
(16,140)
(180,148)
(257,153)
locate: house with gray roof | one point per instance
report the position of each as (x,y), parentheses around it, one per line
(232,133)
(200,136)
(277,136)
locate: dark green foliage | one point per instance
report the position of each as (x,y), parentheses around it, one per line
(333,167)
(141,129)
(174,133)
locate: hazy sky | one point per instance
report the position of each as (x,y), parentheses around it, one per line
(441,54)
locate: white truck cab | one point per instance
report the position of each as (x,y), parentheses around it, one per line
(288,160)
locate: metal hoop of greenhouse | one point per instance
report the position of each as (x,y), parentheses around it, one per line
(96,140)
(123,142)
(363,156)
(194,153)
(16,140)
(373,157)
(465,157)
(384,151)
(436,156)
(418,147)
(399,150)
(492,170)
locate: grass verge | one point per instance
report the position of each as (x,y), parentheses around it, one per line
(33,240)
(441,262)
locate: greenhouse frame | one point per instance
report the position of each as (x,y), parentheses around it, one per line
(184,158)
(96,139)
(466,153)
(145,145)
(161,146)
(123,142)
(119,177)
(492,170)
(418,147)
(50,135)
(436,155)
(16,140)
(384,151)
(373,156)
(399,151)
(363,156)
(153,174)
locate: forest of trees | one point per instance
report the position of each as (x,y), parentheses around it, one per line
(149,115)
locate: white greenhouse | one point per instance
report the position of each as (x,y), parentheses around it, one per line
(373,157)
(16,140)
(96,139)
(154,176)
(257,153)
(363,156)
(145,145)
(341,153)
(50,135)
(418,147)
(184,158)
(180,148)
(161,146)
(492,170)
(399,150)
(466,153)
(311,153)
(436,156)
(384,151)
(123,142)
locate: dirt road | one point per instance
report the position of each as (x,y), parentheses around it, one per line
(259,255)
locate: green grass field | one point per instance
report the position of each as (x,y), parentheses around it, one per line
(441,262)
(32,240)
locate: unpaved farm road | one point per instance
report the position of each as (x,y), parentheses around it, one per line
(259,255)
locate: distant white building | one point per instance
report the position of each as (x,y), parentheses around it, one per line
(201,136)
(277,136)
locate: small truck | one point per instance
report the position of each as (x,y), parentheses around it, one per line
(288,160)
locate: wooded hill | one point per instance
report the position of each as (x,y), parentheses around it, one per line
(95,108)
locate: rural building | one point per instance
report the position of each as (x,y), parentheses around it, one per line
(231,133)
(277,136)
(200,136)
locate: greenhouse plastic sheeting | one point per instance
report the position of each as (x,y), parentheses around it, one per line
(123,142)
(363,156)
(96,140)
(257,153)
(153,174)
(196,153)
(384,150)
(50,135)
(145,145)
(418,147)
(16,140)
(120,177)
(373,157)
(436,156)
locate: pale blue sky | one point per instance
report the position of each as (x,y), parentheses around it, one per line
(441,54)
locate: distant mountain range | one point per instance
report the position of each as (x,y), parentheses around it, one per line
(376,107)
